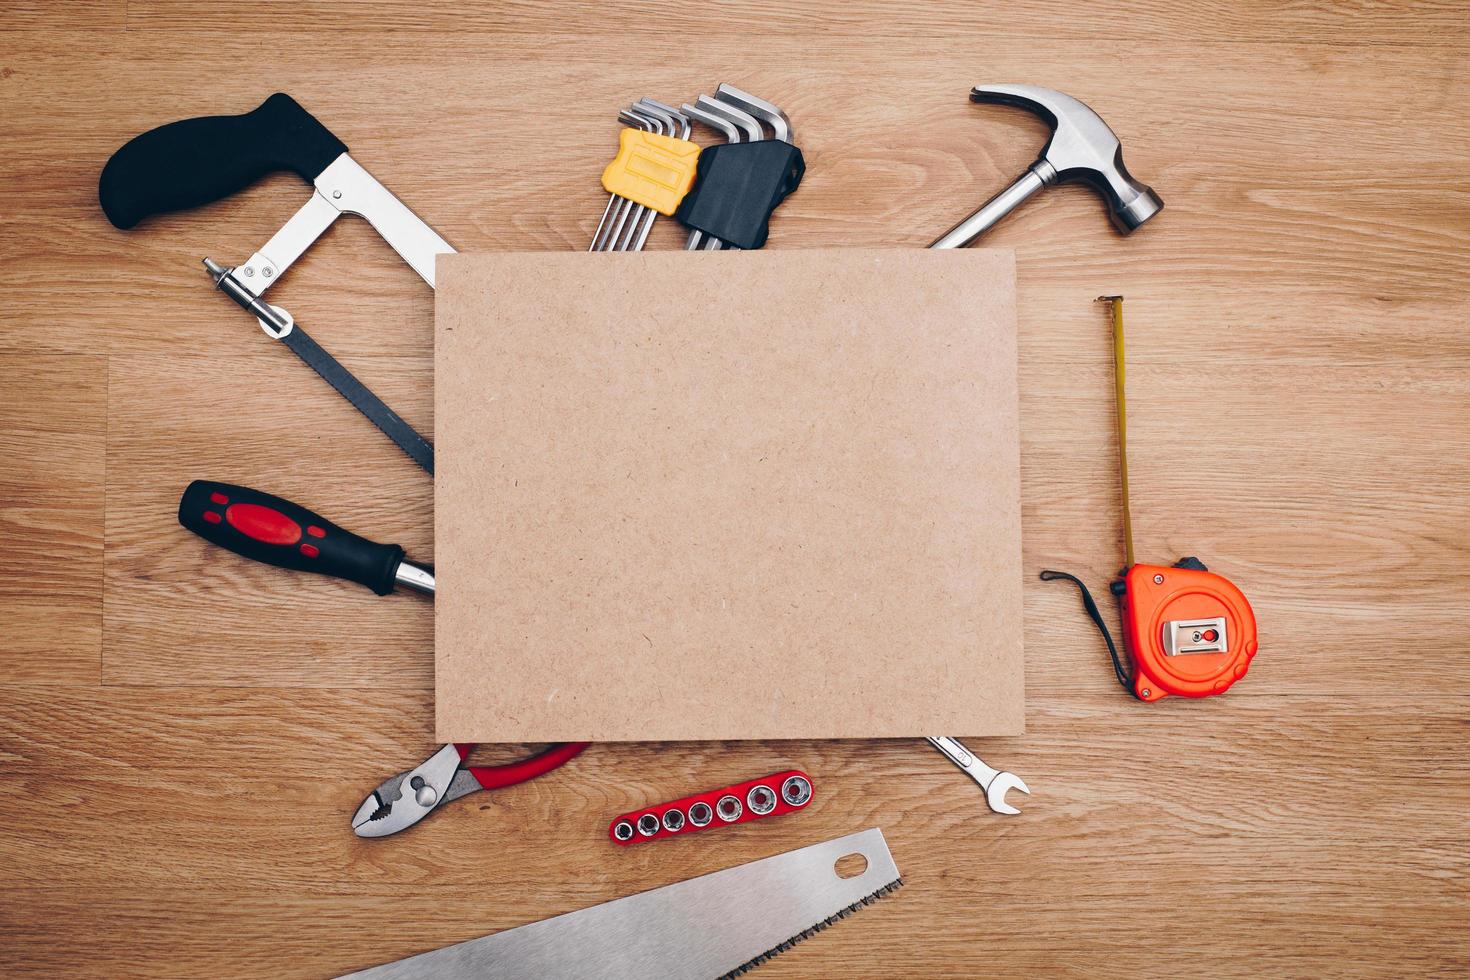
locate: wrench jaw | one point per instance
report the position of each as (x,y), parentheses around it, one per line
(995,793)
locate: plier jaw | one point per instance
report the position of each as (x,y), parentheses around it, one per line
(405,799)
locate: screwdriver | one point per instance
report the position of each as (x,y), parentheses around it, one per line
(266,528)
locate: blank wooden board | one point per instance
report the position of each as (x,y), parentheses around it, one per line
(793,514)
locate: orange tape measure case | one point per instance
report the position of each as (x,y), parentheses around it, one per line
(1191,632)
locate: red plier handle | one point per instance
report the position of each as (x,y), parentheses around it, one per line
(522,770)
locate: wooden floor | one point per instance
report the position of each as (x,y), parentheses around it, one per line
(183,736)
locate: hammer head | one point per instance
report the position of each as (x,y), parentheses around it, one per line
(1082,148)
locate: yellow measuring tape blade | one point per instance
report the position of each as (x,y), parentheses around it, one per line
(652,170)
(1121,401)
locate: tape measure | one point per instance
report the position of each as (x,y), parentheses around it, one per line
(1189,630)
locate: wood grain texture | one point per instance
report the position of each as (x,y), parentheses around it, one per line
(50,15)
(1266,825)
(53,429)
(181,612)
(1416,21)
(183,736)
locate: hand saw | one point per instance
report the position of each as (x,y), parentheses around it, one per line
(193,162)
(717,925)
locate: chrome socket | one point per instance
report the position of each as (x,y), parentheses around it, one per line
(674,820)
(700,814)
(648,824)
(796,791)
(623,830)
(729,808)
(761,800)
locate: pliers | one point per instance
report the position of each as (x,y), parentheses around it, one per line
(408,797)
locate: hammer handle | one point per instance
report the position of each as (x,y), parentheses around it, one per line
(991,211)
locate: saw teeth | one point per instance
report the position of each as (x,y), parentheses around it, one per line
(783,946)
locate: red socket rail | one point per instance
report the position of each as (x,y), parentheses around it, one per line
(756,799)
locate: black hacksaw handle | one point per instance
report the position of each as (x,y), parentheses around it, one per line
(195,161)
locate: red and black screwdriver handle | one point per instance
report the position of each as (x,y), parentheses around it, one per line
(191,162)
(269,529)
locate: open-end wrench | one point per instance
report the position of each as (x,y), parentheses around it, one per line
(995,782)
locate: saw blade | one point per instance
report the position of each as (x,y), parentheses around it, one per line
(717,925)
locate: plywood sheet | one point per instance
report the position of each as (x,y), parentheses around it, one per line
(793,515)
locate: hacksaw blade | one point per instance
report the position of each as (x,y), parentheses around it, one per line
(716,925)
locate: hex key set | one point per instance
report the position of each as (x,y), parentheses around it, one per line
(723,194)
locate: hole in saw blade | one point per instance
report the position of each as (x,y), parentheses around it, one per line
(850,865)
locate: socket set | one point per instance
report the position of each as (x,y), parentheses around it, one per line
(769,796)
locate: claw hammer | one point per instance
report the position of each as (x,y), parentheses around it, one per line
(1082,149)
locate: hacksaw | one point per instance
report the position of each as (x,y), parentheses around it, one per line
(717,925)
(197,161)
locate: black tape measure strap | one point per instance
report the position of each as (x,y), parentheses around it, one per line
(736,188)
(1095,615)
(419,449)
